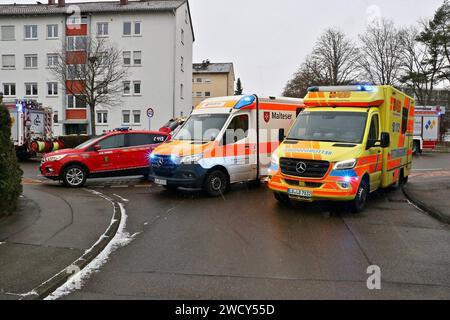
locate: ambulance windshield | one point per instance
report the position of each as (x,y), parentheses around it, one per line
(345,127)
(202,127)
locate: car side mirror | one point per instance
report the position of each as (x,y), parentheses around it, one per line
(97,147)
(385,140)
(281,135)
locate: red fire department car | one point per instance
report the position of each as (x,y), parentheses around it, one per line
(118,153)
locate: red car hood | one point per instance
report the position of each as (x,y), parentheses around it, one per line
(63,151)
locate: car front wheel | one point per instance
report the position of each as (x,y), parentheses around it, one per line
(359,204)
(74,176)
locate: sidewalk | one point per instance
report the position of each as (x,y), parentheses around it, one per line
(431,194)
(52,228)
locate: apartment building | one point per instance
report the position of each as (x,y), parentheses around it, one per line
(211,80)
(155,38)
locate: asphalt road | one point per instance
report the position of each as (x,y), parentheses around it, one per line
(246,246)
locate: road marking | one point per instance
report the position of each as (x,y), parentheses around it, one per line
(440,169)
(120,239)
(122,199)
(120,186)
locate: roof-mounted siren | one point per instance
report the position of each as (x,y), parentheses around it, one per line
(357,88)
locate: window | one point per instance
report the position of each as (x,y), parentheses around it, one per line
(102,29)
(31,61)
(181,91)
(73,102)
(102,117)
(182,64)
(113,142)
(52,88)
(31,89)
(8,61)
(207,94)
(127,58)
(208,81)
(126,87)
(52,60)
(137,28)
(137,117)
(76,71)
(404,120)
(126,117)
(374,129)
(76,19)
(237,130)
(8,33)
(137,87)
(127,28)
(52,31)
(76,43)
(182,36)
(137,57)
(142,139)
(31,32)
(9,89)
(199,80)
(198,94)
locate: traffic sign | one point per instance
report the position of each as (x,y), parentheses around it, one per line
(150,113)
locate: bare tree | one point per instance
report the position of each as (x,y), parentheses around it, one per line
(422,63)
(332,62)
(381,53)
(93,75)
(334,59)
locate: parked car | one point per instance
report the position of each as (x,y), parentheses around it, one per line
(117,153)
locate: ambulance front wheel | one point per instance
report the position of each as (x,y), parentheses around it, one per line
(282,198)
(359,204)
(216,183)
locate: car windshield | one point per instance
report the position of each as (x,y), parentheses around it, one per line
(87,143)
(345,127)
(202,127)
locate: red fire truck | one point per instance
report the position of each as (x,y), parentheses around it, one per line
(31,128)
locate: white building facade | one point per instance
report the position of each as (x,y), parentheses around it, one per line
(155,37)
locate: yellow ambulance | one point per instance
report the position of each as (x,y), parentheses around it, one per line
(348,142)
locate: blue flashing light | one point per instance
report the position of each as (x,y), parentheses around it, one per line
(344,174)
(173,158)
(152,156)
(244,102)
(19,107)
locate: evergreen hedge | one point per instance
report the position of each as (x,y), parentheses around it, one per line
(10,172)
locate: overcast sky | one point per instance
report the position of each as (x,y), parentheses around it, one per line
(268,39)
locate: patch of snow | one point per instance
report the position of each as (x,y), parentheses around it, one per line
(121,239)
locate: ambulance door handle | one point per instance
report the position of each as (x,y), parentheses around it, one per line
(247,146)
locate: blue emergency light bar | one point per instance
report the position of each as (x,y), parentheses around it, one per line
(363,88)
(244,102)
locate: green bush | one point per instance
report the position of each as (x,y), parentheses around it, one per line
(71,142)
(10,172)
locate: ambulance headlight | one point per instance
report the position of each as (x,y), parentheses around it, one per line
(191,159)
(275,159)
(55,158)
(345,165)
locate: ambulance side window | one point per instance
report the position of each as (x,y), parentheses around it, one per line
(374,132)
(237,130)
(404,120)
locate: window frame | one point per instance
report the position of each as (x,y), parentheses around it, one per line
(33,85)
(102,29)
(11,67)
(54,93)
(103,119)
(14,32)
(10,85)
(52,27)
(32,28)
(32,57)
(126,112)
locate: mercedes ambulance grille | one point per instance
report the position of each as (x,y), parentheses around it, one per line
(163,166)
(304,168)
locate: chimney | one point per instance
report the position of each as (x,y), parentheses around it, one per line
(123,2)
(61,3)
(51,2)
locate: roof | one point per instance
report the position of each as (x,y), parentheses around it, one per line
(213,67)
(90,7)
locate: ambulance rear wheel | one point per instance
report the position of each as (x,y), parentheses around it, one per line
(359,204)
(216,183)
(282,198)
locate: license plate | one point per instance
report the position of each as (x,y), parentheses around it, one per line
(161,182)
(300,193)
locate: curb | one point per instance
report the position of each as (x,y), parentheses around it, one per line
(435,213)
(45,289)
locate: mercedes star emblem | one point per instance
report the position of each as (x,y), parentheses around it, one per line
(301,167)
